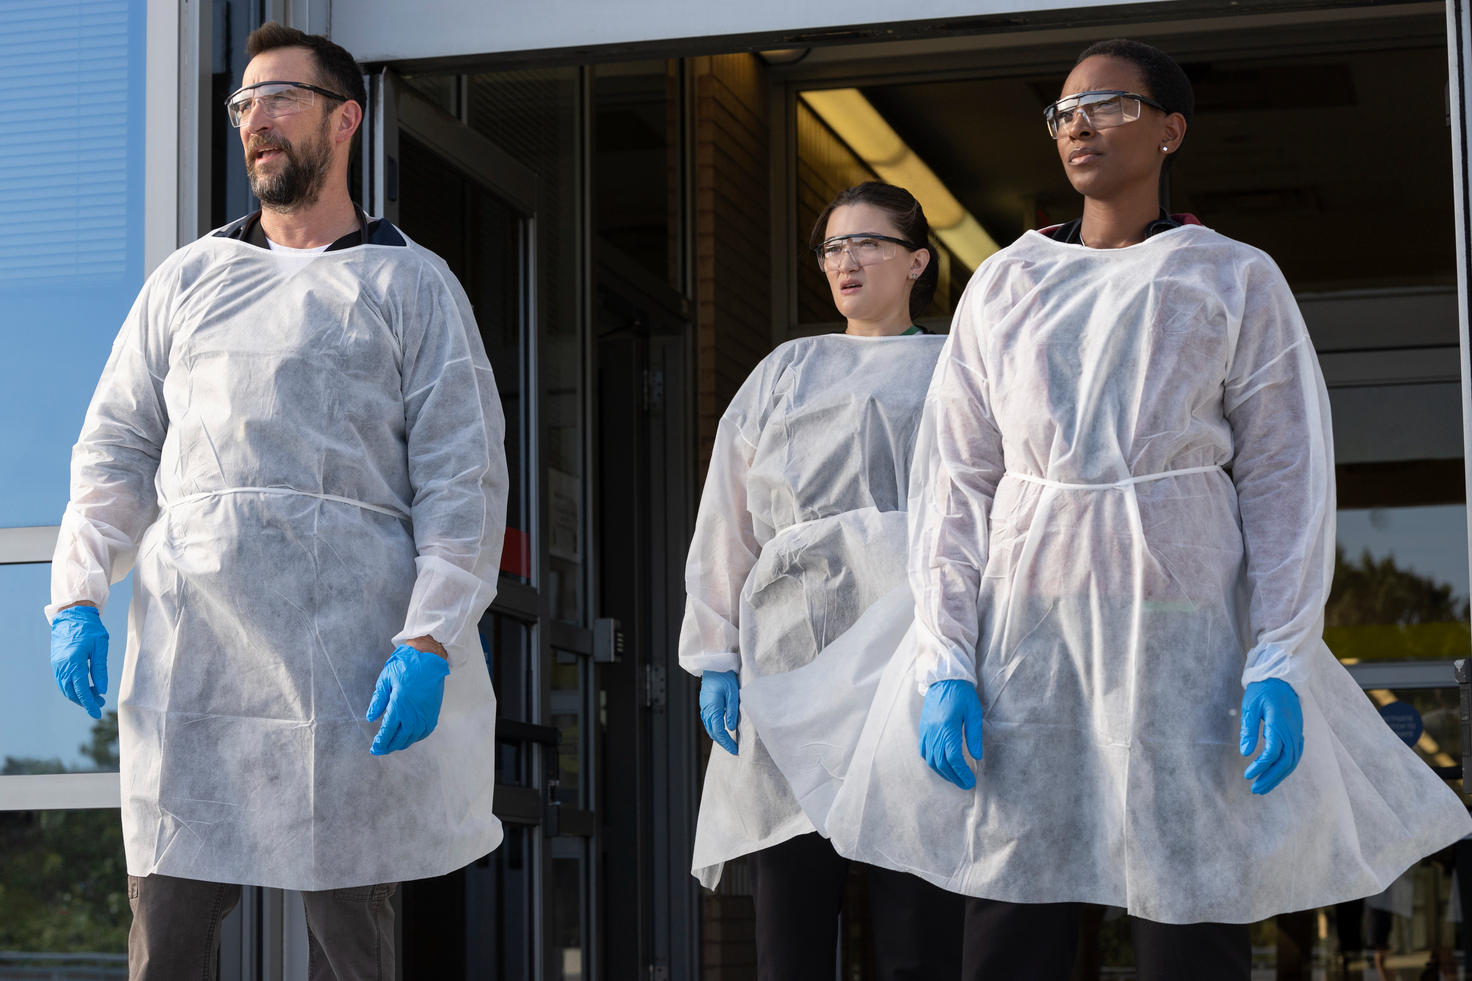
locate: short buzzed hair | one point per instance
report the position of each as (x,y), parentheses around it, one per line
(337,70)
(1165,82)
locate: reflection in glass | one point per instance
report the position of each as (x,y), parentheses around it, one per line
(65,890)
(507,644)
(636,155)
(40,730)
(480,238)
(1400,585)
(567,910)
(536,116)
(498,909)
(569,698)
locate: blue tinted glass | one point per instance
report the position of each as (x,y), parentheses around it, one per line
(71,227)
(40,731)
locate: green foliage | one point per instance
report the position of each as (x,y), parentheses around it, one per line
(63,877)
(1367,592)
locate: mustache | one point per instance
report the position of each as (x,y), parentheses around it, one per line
(261,142)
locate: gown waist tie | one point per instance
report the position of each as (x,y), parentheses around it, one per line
(1116,485)
(204,495)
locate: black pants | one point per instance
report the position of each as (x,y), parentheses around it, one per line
(798,887)
(1038,942)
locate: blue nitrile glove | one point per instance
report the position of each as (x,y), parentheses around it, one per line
(1274,704)
(411,686)
(951,706)
(720,706)
(79,647)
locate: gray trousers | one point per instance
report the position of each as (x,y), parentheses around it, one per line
(176,930)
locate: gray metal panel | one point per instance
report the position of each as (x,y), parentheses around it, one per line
(390,30)
(1404,674)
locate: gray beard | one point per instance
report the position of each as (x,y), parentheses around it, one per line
(298,184)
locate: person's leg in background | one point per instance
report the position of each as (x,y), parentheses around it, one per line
(1380,920)
(1349,927)
(1019,941)
(797,888)
(1200,951)
(917,927)
(350,933)
(176,927)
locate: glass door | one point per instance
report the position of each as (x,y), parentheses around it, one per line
(519,912)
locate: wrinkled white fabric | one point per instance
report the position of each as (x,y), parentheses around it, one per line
(801,528)
(304,457)
(1075,547)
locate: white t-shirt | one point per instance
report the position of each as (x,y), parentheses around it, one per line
(275,247)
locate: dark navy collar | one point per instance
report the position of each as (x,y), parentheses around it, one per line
(1069,232)
(378,232)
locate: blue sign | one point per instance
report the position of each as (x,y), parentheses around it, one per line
(1403,720)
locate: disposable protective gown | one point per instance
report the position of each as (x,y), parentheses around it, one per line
(801,528)
(1122,511)
(301,458)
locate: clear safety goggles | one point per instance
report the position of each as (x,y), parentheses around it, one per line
(275,99)
(1101,110)
(866,250)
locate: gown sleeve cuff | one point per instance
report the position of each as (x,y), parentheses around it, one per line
(698,664)
(447,605)
(1275,661)
(938,661)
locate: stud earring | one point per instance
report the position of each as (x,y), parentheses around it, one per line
(1165,149)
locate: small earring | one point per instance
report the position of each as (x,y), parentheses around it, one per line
(1165,149)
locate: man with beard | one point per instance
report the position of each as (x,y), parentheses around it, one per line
(297,444)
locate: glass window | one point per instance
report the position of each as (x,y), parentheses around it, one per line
(568,902)
(507,644)
(71,228)
(66,892)
(636,158)
(40,730)
(480,237)
(569,701)
(535,115)
(499,909)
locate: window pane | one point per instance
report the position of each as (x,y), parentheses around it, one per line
(71,228)
(1400,585)
(480,238)
(567,910)
(65,891)
(569,696)
(535,116)
(498,909)
(40,730)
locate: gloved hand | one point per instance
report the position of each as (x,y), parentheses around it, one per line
(411,687)
(720,706)
(79,648)
(1274,704)
(951,707)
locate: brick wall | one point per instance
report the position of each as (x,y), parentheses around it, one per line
(732,231)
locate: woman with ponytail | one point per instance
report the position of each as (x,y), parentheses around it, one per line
(801,529)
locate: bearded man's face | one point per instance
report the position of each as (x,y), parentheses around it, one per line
(285,175)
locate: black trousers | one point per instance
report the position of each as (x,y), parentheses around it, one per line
(1038,942)
(798,887)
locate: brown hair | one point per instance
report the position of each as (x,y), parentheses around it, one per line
(337,70)
(902,208)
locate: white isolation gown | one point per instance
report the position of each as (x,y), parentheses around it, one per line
(1122,511)
(302,460)
(801,527)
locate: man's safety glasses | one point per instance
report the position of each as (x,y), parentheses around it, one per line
(1101,110)
(865,249)
(275,99)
